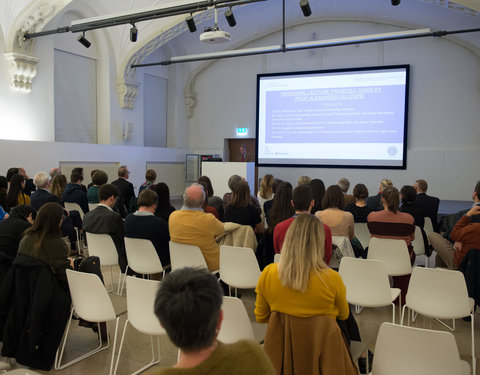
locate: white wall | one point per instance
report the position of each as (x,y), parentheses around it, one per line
(444,115)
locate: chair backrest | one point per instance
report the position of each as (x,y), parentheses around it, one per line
(417,243)
(394,253)
(142,256)
(236,324)
(406,350)
(366,282)
(69,206)
(140,301)
(276,258)
(438,293)
(183,255)
(428,226)
(362,233)
(239,267)
(102,246)
(89,297)
(92,206)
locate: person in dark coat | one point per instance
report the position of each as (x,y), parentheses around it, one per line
(126,190)
(427,203)
(42,195)
(74,192)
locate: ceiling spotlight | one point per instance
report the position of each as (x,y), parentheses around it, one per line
(86,43)
(306,8)
(395,2)
(133,33)
(230,18)
(191,24)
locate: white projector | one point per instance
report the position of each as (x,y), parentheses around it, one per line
(215,36)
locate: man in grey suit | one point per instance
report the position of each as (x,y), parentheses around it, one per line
(103,220)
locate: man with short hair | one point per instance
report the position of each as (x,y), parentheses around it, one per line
(302,201)
(55,171)
(42,195)
(188,305)
(79,170)
(74,193)
(103,220)
(144,224)
(375,201)
(345,185)
(244,156)
(191,225)
(428,204)
(125,188)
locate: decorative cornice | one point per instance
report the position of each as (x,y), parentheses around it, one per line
(22,69)
(127,91)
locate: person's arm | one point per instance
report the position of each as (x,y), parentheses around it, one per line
(262,308)
(341,297)
(258,220)
(462,232)
(217,226)
(328,244)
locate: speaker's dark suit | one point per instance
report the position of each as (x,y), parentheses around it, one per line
(430,207)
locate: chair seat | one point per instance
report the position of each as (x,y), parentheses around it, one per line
(395,293)
(4,366)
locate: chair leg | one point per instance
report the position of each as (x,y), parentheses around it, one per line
(114,345)
(403,314)
(121,346)
(120,279)
(393,313)
(121,282)
(474,360)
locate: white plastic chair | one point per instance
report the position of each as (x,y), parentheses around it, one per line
(367,283)
(21,371)
(92,206)
(428,226)
(440,294)
(277,257)
(4,367)
(414,351)
(362,233)
(69,206)
(236,324)
(140,302)
(91,302)
(183,255)
(102,246)
(419,245)
(142,258)
(238,267)
(394,253)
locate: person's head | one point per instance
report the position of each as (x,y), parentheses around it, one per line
(333,198)
(243,149)
(11,172)
(41,180)
(93,172)
(78,170)
(163,193)
(476,192)
(304,180)
(150,175)
(266,186)
(302,198)
(22,172)
(344,184)
(302,251)
(147,199)
(420,186)
(188,305)
(360,192)
(408,194)
(58,185)
(123,172)
(99,178)
(276,182)
(194,196)
(47,225)
(17,184)
(108,194)
(76,177)
(55,171)
(391,199)
(26,211)
(318,189)
(282,208)
(204,180)
(241,195)
(233,180)
(384,184)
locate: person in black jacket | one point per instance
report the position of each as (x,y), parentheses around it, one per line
(74,192)
(125,188)
(427,203)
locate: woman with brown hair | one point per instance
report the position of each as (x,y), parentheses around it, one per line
(339,221)
(241,211)
(59,182)
(359,209)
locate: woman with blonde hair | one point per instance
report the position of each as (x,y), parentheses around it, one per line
(265,194)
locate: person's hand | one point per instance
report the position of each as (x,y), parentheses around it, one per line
(475,210)
(458,245)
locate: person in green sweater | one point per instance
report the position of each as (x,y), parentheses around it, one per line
(188,305)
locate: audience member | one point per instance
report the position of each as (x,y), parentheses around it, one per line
(302,202)
(74,192)
(359,209)
(91,177)
(15,194)
(267,206)
(213,200)
(29,185)
(42,195)
(103,220)
(304,180)
(340,222)
(99,178)
(188,305)
(345,185)
(375,201)
(144,224)
(59,183)
(407,198)
(265,194)
(318,189)
(241,211)
(11,172)
(227,197)
(3,214)
(3,191)
(206,207)
(125,188)
(190,225)
(79,170)
(426,203)
(150,177)
(164,207)
(55,171)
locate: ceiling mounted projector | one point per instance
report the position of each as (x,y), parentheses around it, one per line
(214,36)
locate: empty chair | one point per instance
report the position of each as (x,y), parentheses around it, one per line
(69,206)
(140,305)
(102,246)
(405,350)
(394,253)
(362,233)
(183,255)
(419,245)
(440,294)
(367,283)
(91,302)
(236,324)
(238,267)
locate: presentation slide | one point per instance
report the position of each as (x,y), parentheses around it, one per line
(340,118)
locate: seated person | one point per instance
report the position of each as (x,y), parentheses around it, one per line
(99,178)
(188,305)
(15,194)
(241,211)
(144,224)
(359,209)
(340,222)
(164,207)
(213,200)
(150,177)
(74,192)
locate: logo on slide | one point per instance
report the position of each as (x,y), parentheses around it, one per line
(392,151)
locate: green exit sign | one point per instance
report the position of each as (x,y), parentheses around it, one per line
(242,131)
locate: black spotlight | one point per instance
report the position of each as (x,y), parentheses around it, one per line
(395,2)
(306,8)
(133,33)
(86,43)
(230,18)
(191,24)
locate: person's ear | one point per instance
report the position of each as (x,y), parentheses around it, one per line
(293,205)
